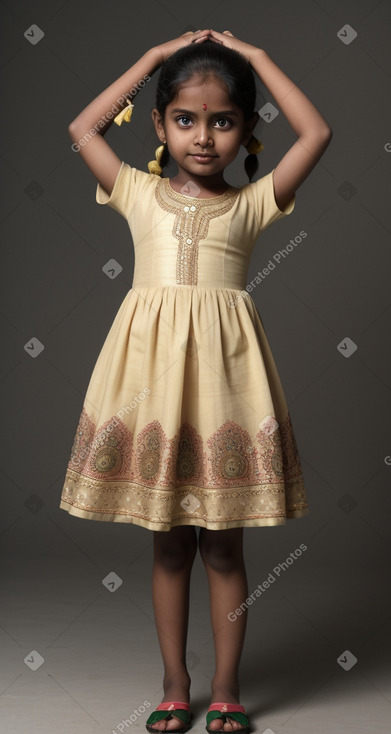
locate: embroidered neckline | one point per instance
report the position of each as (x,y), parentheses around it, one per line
(191,223)
(231,191)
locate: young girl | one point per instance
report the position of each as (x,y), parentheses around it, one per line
(185,421)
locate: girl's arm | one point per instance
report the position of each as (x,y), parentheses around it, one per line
(88,128)
(314,134)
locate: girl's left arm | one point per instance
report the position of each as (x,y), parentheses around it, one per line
(314,134)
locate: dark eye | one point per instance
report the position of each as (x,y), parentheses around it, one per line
(226,120)
(183,117)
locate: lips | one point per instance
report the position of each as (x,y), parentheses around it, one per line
(201,155)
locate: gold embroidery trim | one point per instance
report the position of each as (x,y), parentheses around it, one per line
(191,224)
(228,479)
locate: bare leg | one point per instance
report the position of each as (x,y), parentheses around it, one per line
(174,554)
(222,555)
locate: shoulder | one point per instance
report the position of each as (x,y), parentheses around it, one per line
(260,187)
(261,197)
(135,175)
(131,183)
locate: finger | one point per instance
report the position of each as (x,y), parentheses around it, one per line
(201,38)
(216,34)
(193,33)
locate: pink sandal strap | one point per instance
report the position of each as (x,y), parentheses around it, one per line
(227,707)
(171,705)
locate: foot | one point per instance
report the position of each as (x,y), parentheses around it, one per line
(228,695)
(173,692)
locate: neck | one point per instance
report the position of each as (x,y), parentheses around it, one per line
(205,183)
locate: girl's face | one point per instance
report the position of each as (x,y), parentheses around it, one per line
(202,119)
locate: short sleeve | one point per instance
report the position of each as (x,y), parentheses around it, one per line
(125,190)
(264,201)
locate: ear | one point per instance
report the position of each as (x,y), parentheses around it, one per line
(158,122)
(248,129)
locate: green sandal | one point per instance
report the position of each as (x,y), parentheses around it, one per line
(181,709)
(228,710)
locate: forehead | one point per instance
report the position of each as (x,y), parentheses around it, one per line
(194,92)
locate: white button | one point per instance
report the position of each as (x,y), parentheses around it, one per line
(189,241)
(186,208)
(192,208)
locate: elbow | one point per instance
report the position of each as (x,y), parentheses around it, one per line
(318,141)
(327,134)
(71,127)
(327,137)
(74,132)
(324,137)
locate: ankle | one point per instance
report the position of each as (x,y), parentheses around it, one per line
(226,690)
(180,679)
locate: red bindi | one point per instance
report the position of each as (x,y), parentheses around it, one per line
(204,107)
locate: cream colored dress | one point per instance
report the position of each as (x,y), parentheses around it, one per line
(184,420)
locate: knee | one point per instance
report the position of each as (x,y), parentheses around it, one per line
(220,557)
(174,553)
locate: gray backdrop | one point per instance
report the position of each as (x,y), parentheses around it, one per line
(77,658)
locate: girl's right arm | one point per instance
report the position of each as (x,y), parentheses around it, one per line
(88,128)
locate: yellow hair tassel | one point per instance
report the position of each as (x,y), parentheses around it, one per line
(154,166)
(254,145)
(124,115)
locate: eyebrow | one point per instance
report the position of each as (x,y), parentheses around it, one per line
(189,112)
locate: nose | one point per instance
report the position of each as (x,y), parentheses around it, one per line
(203,137)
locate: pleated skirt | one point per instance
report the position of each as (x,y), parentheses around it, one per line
(185,420)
